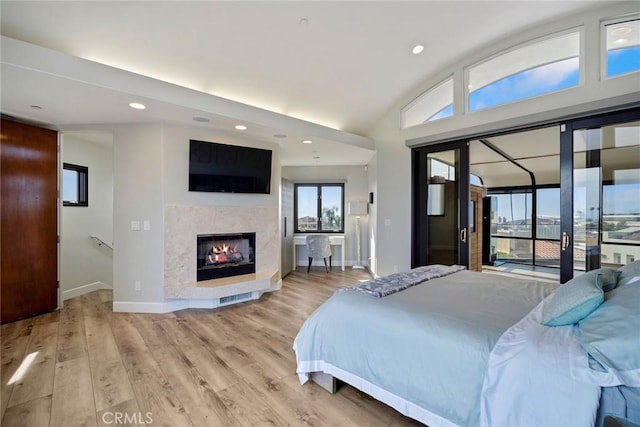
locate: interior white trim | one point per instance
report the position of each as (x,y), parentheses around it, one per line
(616,103)
(84,289)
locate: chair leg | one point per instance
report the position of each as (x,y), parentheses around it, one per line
(329,262)
(309,267)
(325,264)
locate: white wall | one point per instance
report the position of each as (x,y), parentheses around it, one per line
(138,196)
(85,265)
(393,196)
(356,188)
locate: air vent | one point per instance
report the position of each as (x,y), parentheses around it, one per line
(235,298)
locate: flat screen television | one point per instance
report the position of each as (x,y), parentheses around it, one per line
(222,168)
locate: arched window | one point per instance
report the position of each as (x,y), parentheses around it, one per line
(434,104)
(534,69)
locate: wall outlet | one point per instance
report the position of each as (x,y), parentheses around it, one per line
(395,268)
(146,225)
(137,285)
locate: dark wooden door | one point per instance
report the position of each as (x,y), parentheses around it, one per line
(29,224)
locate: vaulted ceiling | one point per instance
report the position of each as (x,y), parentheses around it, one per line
(336,66)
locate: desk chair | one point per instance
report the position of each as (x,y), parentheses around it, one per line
(318,247)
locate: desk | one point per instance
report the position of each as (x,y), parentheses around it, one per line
(301,240)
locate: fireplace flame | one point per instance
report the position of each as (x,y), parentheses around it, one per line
(225,249)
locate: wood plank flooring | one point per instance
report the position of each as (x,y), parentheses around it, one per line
(231,366)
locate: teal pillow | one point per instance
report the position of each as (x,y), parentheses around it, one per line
(629,272)
(606,278)
(573,301)
(610,334)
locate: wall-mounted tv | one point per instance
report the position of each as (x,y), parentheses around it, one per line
(222,168)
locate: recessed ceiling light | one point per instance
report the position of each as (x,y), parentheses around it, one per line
(36,107)
(620,31)
(307,141)
(279,135)
(201,119)
(417,49)
(137,105)
(620,41)
(241,127)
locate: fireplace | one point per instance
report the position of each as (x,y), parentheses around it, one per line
(225,255)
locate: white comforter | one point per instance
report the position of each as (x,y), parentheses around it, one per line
(538,376)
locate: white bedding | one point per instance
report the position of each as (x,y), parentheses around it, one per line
(538,376)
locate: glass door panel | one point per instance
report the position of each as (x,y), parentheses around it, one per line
(442,208)
(441,187)
(604,191)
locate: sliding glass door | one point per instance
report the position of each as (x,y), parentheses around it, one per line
(440,189)
(564,196)
(600,192)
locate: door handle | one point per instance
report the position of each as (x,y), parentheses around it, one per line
(463,235)
(566,240)
(285,226)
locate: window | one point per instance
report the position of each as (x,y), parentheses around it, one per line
(514,214)
(75,185)
(434,104)
(548,213)
(534,69)
(622,47)
(319,208)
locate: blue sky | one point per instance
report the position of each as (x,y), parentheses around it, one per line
(307,199)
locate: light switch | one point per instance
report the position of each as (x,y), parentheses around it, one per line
(387,222)
(135,225)
(146,225)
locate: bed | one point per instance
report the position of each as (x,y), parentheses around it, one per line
(447,351)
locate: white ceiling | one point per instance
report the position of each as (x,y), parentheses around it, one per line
(337,66)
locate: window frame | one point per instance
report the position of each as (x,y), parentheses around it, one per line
(604,57)
(580,30)
(319,186)
(82,185)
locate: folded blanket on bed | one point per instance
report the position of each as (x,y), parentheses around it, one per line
(387,285)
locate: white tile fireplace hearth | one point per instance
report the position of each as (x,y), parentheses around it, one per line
(183,224)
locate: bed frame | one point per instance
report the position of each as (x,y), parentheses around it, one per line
(326,381)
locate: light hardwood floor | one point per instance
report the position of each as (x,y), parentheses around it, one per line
(231,366)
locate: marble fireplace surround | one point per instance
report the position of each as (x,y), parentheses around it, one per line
(182,226)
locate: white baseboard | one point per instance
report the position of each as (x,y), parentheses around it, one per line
(84,289)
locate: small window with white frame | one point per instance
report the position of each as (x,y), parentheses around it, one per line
(434,104)
(622,47)
(536,68)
